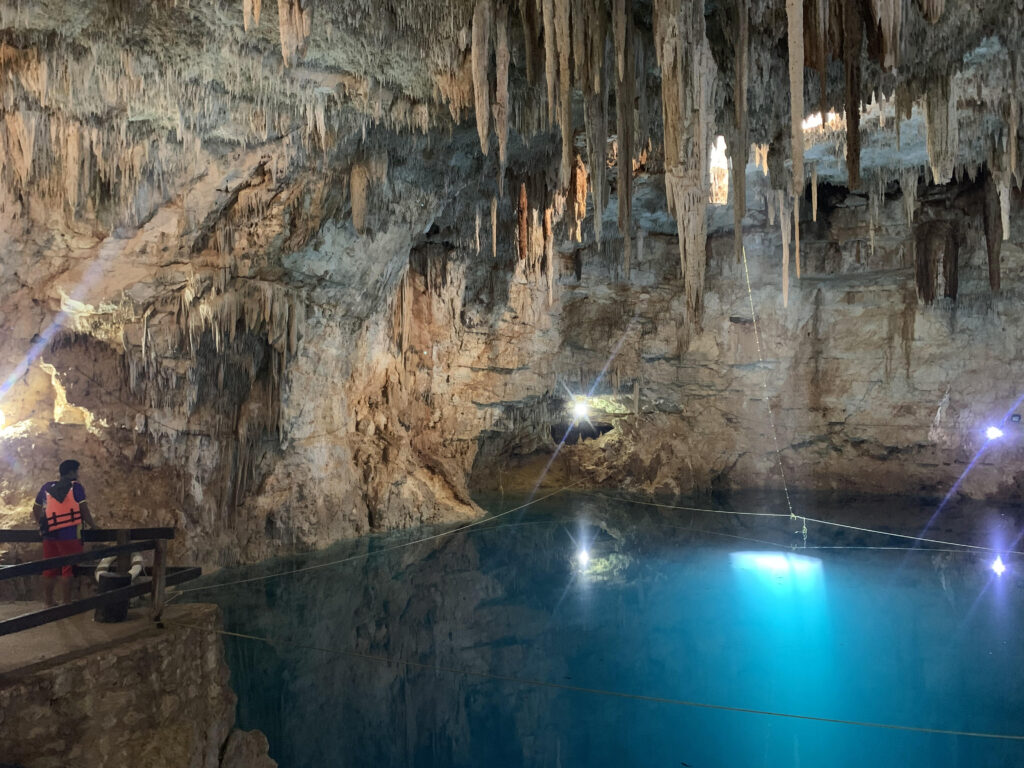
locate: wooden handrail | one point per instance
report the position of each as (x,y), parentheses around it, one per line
(128,540)
(38,566)
(30,535)
(57,612)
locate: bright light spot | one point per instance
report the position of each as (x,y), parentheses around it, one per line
(998,566)
(580,410)
(993,433)
(583,558)
(780,568)
(818,121)
(814,121)
(1,419)
(718,169)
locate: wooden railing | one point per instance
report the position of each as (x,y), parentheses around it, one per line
(128,540)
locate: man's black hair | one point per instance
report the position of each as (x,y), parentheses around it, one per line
(68,466)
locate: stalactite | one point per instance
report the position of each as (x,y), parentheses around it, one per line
(524,235)
(814,193)
(951,265)
(577,199)
(405,315)
(876,196)
(1014,126)
(579,11)
(563,41)
(796,234)
(494,228)
(481,57)
(852,40)
(358,186)
(688,75)
(595,109)
(624,121)
(941,129)
(1004,207)
(251,13)
(795,37)
(501,58)
(295,21)
(932,9)
(642,112)
(784,225)
(822,13)
(550,58)
(888,15)
(549,255)
(994,231)
(529,11)
(740,148)
(476,236)
(908,186)
(761,157)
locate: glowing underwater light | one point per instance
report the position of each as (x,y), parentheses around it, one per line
(583,558)
(580,409)
(998,566)
(993,433)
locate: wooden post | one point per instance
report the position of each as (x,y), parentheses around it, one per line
(124,559)
(159,577)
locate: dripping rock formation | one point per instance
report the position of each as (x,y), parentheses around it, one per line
(283,274)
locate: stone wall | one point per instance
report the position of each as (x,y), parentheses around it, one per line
(160,700)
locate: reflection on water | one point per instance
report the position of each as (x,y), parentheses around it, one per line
(664,605)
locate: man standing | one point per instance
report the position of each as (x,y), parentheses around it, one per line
(60,510)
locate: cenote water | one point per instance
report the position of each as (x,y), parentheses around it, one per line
(501,646)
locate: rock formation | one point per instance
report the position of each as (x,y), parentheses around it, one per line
(247,281)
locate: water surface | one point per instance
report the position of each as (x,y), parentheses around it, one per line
(498,646)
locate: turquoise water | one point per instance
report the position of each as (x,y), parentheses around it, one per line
(594,661)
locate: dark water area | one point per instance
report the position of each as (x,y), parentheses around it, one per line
(504,645)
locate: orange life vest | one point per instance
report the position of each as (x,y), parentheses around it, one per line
(62,514)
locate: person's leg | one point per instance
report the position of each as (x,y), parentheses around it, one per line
(70,547)
(50,549)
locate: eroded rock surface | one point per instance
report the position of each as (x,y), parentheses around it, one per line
(283,275)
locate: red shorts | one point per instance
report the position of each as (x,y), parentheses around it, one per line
(53,548)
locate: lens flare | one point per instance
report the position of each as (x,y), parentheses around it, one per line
(580,410)
(993,433)
(998,566)
(583,558)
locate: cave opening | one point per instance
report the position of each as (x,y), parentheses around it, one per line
(573,432)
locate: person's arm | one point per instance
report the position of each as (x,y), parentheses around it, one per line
(38,512)
(86,515)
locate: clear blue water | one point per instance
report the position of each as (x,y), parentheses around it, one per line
(670,606)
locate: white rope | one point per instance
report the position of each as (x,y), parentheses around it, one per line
(831,523)
(437,668)
(364,555)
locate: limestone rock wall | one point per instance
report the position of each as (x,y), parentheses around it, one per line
(161,700)
(870,383)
